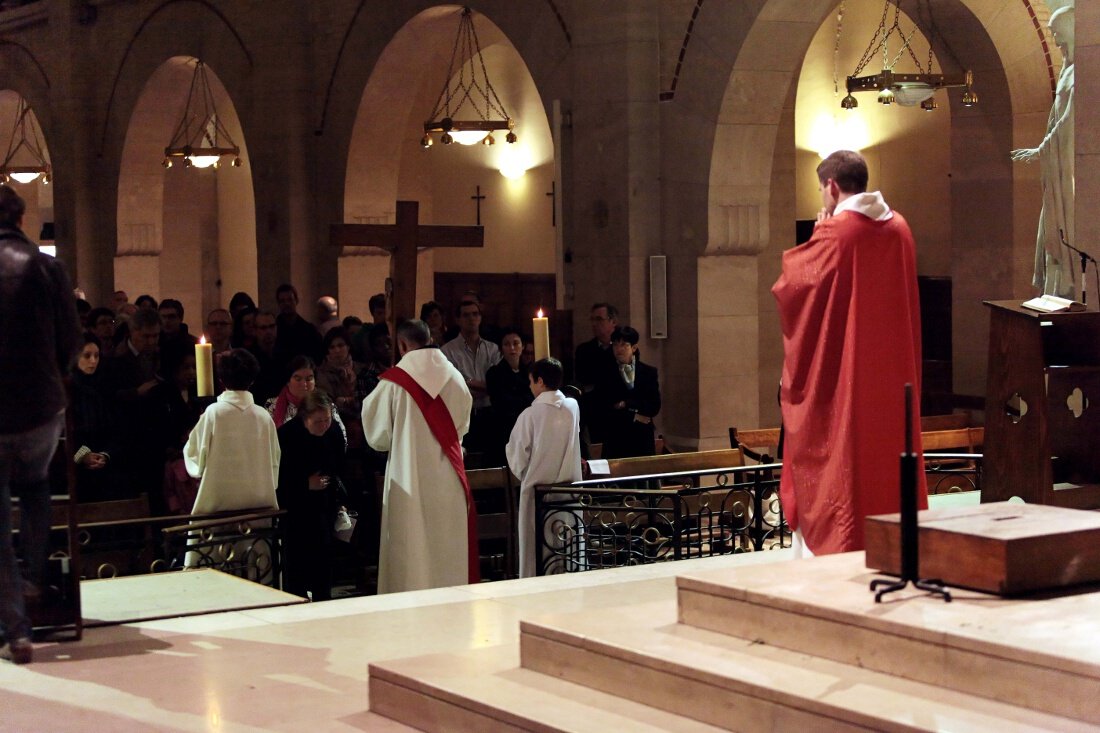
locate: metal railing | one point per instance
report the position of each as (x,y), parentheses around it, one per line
(635,520)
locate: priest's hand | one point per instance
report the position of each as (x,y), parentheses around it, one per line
(822,215)
(317,482)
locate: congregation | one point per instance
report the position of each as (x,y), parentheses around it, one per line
(135,409)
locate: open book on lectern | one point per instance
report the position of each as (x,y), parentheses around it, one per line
(1053,304)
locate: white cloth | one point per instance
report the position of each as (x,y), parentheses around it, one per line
(869,203)
(472,364)
(234,451)
(424,542)
(544,448)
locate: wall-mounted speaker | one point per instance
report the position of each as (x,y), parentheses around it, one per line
(658,297)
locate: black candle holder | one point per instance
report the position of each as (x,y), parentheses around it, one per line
(910,541)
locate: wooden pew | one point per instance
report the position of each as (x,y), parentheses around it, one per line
(673,463)
(495,498)
(954,421)
(761,445)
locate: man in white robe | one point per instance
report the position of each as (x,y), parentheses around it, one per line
(234,448)
(426,517)
(544,448)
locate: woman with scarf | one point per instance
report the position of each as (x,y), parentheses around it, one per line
(311,493)
(302,381)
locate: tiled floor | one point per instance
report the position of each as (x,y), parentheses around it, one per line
(293,668)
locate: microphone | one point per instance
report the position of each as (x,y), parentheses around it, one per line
(1085,259)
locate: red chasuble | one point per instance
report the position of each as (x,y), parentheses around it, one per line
(851,335)
(439,422)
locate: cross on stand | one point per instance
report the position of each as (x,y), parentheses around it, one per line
(478,198)
(402,240)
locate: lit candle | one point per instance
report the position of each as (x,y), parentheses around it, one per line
(204,367)
(542,336)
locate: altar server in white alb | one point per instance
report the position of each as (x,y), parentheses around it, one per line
(418,413)
(544,448)
(234,448)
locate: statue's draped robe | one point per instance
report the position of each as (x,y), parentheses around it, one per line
(1055,265)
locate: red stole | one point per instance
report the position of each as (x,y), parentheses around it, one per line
(443,428)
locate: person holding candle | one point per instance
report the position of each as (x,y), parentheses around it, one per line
(234,448)
(544,447)
(509,393)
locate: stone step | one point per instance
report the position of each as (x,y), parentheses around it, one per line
(485,690)
(1041,653)
(641,653)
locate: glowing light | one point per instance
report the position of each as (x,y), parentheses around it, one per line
(540,313)
(202,339)
(25,177)
(513,163)
(203,161)
(830,133)
(468,137)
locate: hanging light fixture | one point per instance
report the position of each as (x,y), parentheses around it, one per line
(906,89)
(201,139)
(25,160)
(469,94)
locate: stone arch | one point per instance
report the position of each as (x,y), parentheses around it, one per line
(176,28)
(183,232)
(404,81)
(745,87)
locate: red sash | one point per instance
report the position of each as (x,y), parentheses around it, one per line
(443,429)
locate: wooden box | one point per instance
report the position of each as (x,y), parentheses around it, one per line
(1004,548)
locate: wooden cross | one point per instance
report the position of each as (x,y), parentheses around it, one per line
(402,241)
(478,198)
(553,194)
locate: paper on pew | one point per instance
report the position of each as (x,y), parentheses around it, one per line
(599,466)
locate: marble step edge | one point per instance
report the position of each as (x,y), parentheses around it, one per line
(716,679)
(876,618)
(1000,672)
(484,689)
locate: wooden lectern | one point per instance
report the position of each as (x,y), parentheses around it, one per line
(1042,409)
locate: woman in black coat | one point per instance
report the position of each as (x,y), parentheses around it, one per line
(630,398)
(309,490)
(95,437)
(509,393)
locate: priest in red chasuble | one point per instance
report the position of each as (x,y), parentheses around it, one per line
(851,336)
(418,413)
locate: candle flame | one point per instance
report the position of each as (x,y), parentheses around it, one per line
(202,339)
(540,313)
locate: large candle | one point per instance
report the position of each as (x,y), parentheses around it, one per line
(204,368)
(542,336)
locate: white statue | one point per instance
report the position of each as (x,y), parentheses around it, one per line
(1054,263)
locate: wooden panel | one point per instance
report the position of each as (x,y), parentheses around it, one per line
(998,548)
(1042,358)
(510,299)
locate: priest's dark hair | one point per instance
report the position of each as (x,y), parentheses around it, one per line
(415,331)
(847,168)
(238,369)
(550,371)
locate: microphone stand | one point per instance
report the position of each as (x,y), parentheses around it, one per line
(1086,258)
